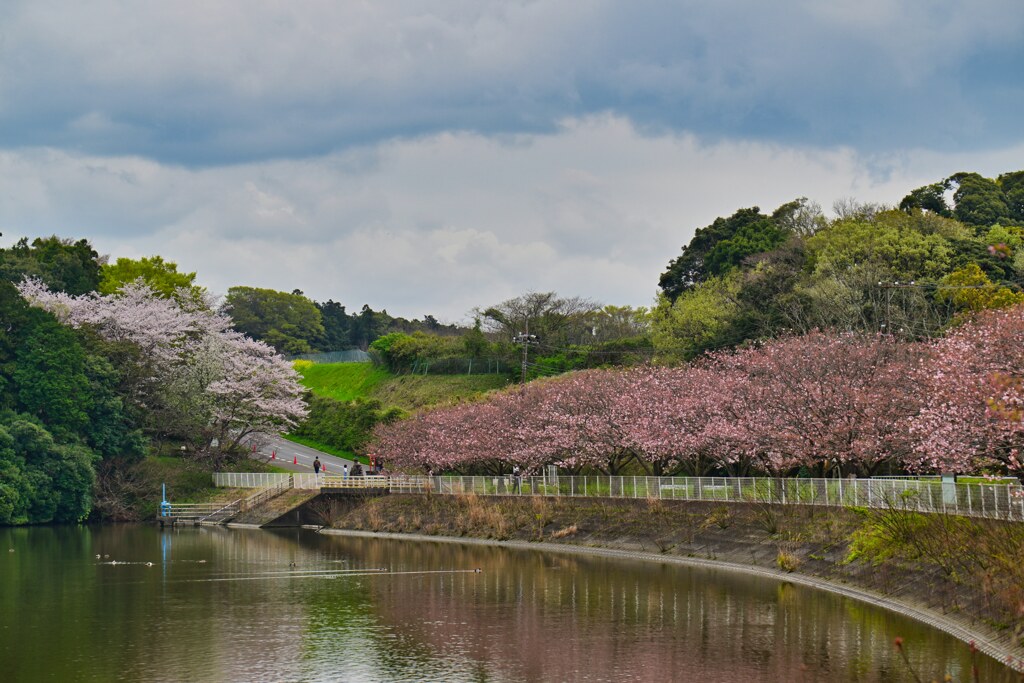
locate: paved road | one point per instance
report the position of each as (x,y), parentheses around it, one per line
(296,457)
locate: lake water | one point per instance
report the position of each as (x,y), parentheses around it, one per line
(215,604)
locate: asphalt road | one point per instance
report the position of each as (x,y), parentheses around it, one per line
(296,457)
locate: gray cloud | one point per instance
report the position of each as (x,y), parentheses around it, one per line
(204,83)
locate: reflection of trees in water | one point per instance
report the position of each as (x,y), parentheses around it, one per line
(526,616)
(557,617)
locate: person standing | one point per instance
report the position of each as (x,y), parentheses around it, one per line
(316,465)
(344,471)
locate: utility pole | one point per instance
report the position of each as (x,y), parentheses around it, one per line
(525,339)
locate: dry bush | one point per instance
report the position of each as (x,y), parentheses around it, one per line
(483,516)
(565,531)
(720,516)
(326,511)
(786,561)
(374,518)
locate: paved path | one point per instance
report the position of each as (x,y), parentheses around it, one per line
(288,453)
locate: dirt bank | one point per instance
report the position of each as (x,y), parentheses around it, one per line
(955,573)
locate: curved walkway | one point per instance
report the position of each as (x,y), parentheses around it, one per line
(984,643)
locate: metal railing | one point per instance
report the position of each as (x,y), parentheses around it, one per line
(999,501)
(265,494)
(191,511)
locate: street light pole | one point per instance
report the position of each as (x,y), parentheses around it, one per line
(525,339)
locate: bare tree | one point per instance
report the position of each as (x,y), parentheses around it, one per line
(555,320)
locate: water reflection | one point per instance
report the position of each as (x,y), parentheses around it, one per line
(224,605)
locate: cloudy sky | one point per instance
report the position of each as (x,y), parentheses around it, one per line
(430,156)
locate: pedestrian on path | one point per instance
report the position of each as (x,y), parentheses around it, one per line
(316,465)
(344,471)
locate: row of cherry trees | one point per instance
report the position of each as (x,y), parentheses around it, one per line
(190,373)
(821,401)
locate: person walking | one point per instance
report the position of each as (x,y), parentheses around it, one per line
(344,471)
(316,465)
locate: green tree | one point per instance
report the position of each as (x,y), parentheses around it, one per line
(1012,185)
(474,342)
(45,481)
(290,323)
(969,289)
(889,242)
(929,198)
(727,242)
(346,425)
(978,200)
(63,265)
(696,321)
(49,377)
(336,327)
(366,327)
(161,276)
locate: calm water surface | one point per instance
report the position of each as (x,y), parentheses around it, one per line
(228,605)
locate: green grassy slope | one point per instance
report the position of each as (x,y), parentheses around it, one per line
(348,381)
(418,391)
(343,381)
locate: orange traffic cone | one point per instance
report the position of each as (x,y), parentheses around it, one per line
(273,455)
(295,460)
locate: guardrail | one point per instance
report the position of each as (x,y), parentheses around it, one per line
(999,501)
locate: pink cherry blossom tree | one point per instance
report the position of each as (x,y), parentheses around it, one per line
(195,376)
(970,413)
(824,400)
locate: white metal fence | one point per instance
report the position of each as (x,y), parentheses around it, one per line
(249,480)
(995,500)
